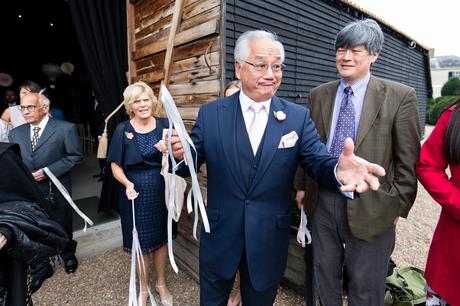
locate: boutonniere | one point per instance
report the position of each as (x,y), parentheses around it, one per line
(129,135)
(279,115)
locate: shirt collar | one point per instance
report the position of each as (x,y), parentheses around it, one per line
(245,102)
(358,87)
(42,123)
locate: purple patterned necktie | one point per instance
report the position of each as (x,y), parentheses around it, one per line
(345,123)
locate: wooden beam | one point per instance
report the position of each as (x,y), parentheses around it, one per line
(177,17)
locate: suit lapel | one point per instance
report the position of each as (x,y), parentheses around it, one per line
(25,141)
(49,130)
(327,107)
(273,133)
(227,127)
(372,103)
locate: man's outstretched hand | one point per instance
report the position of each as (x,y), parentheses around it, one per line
(356,173)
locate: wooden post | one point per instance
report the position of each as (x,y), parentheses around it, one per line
(177,17)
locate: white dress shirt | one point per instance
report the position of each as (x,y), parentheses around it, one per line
(41,125)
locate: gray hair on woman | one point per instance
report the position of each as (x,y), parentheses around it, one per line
(364,32)
(133,91)
(242,46)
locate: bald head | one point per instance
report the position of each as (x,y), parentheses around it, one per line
(34,107)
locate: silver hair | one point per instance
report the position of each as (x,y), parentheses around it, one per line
(242,49)
(42,98)
(366,33)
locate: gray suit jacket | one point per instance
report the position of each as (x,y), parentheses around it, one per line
(58,148)
(389,135)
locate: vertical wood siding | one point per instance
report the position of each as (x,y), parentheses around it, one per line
(307,29)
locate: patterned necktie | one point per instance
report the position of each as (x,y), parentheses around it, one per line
(257,126)
(35,137)
(345,123)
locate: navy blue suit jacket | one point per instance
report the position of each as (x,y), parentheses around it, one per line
(257,218)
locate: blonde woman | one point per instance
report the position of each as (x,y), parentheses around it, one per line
(136,164)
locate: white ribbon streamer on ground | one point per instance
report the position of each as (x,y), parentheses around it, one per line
(175,120)
(136,255)
(67,196)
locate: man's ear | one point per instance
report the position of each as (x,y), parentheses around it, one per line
(237,69)
(375,56)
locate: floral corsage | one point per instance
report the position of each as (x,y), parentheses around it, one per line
(279,115)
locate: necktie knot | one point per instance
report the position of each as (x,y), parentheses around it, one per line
(347,94)
(36,129)
(257,107)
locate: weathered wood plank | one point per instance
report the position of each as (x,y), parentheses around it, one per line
(153,32)
(203,30)
(200,18)
(199,7)
(146,9)
(197,47)
(205,87)
(155,61)
(201,74)
(198,61)
(194,99)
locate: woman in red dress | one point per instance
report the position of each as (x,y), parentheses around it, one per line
(441,151)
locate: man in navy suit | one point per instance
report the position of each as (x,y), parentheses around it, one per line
(252,143)
(52,143)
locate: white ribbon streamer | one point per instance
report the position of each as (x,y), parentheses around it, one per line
(67,196)
(136,255)
(303,230)
(175,120)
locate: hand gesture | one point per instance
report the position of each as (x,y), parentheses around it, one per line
(356,173)
(131,194)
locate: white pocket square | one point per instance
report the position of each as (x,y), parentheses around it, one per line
(288,140)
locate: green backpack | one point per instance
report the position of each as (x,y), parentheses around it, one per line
(405,287)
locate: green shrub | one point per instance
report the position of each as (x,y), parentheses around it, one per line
(438,107)
(451,87)
(429,105)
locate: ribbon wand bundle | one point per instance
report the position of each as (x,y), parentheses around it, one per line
(137,258)
(176,121)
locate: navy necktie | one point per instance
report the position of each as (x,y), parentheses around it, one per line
(345,123)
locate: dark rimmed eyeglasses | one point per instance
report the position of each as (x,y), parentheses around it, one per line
(29,108)
(264,67)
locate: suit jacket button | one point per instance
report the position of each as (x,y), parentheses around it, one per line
(247,202)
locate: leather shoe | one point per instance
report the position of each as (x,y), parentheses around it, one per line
(71,264)
(39,275)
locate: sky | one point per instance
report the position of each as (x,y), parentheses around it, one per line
(434,24)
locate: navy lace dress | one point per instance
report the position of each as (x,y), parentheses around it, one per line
(141,163)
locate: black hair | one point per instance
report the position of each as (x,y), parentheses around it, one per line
(451,141)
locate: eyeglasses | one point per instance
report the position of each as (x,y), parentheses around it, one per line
(264,67)
(354,51)
(29,108)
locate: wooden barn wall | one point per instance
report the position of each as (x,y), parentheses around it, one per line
(196,75)
(307,29)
